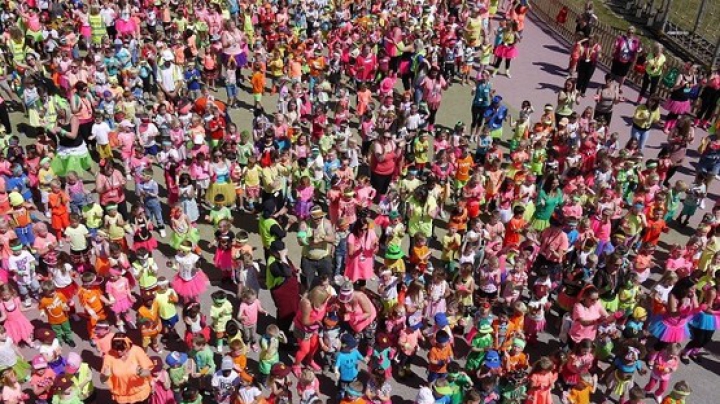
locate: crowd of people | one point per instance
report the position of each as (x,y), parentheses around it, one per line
(420,246)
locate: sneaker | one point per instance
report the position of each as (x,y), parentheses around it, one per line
(27,302)
(658,399)
(296,370)
(507,74)
(47,213)
(71,344)
(314,366)
(255,347)
(162,233)
(131,325)
(639,100)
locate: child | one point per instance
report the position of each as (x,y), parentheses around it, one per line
(58,204)
(382,356)
(149,322)
(620,375)
(78,236)
(190,282)
(280,384)
(269,351)
(220,313)
(346,366)
(225,381)
(580,392)
(41,380)
(679,393)
(54,306)
(665,364)
(694,198)
(223,252)
(578,363)
(120,295)
(231,83)
(248,312)
(92,300)
(258,84)
(204,360)
(542,378)
(439,356)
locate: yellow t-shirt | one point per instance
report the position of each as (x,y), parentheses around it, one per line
(252,176)
(166,304)
(45,177)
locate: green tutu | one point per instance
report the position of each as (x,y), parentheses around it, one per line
(64,164)
(21,369)
(540,225)
(193,236)
(529,211)
(611,306)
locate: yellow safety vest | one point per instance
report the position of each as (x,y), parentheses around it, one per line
(97,27)
(18,51)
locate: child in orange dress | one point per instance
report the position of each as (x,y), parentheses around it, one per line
(515,227)
(364,97)
(542,379)
(58,202)
(420,254)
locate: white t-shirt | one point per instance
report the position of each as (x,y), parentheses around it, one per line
(23,266)
(249,394)
(101,133)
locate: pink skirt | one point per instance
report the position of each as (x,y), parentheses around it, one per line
(534,327)
(19,328)
(670,329)
(86,31)
(677,107)
(192,289)
(223,259)
(506,52)
(122,305)
(149,244)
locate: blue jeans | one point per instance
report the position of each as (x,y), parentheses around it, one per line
(231,90)
(340,253)
(154,211)
(641,135)
(709,165)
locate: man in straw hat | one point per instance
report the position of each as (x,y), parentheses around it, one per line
(317,237)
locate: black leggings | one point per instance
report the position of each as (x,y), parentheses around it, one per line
(709,98)
(651,82)
(496,65)
(5,118)
(700,338)
(585,72)
(381,183)
(478,113)
(431,116)
(671,171)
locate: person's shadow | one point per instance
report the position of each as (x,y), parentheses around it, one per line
(552,69)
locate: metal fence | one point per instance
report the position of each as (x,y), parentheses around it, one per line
(548,10)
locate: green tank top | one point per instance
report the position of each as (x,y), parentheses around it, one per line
(272,281)
(264,227)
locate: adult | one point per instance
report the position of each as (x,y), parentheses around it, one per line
(365,66)
(679,101)
(383,163)
(679,139)
(281,280)
(110,185)
(495,117)
(567,99)
(317,238)
(358,313)
(608,279)
(72,152)
(672,326)
(549,198)
(422,209)
(709,96)
(589,57)
(362,245)
(126,370)
(269,227)
(654,65)
(587,315)
(81,104)
(645,116)
(169,76)
(234,45)
(482,96)
(606,98)
(474,28)
(554,244)
(432,87)
(625,54)
(308,322)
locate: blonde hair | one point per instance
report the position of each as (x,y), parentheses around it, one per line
(317,296)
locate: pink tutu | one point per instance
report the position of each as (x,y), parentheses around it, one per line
(506,52)
(223,260)
(534,327)
(18,327)
(86,31)
(122,305)
(677,107)
(192,289)
(670,329)
(149,244)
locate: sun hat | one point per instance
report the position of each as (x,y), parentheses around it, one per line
(394,252)
(73,362)
(346,292)
(441,320)
(227,363)
(317,212)
(442,387)
(394,214)
(485,328)
(280,370)
(492,360)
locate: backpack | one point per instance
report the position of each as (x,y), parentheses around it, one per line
(670,77)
